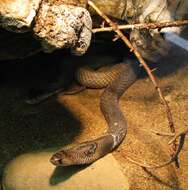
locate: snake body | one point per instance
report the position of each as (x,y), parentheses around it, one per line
(116,80)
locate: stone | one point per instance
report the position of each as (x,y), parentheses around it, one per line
(17,15)
(33,171)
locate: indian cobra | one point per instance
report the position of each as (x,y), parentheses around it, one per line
(116,80)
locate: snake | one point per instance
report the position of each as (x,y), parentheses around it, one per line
(116,80)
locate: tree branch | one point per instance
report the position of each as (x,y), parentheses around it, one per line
(113,26)
(143,26)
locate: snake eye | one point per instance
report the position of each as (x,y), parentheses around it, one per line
(89,152)
(88,149)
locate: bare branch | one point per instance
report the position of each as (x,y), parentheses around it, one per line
(174,157)
(113,26)
(182,133)
(143,26)
(141,60)
(163,133)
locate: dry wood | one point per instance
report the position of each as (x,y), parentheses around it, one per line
(141,60)
(139,26)
(116,28)
(180,134)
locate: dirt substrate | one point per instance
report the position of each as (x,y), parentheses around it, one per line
(65,120)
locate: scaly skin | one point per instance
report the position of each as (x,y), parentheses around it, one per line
(90,151)
(67,24)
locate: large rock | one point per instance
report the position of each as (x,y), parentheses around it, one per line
(18,15)
(35,172)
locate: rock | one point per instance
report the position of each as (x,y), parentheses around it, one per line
(18,15)
(34,172)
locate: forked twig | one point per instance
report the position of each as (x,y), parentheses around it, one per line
(156,166)
(139,26)
(180,134)
(164,134)
(113,26)
(141,60)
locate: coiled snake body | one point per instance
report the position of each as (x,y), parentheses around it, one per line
(117,80)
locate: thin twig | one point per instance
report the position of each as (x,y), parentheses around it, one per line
(174,157)
(139,57)
(145,165)
(182,133)
(176,149)
(155,166)
(163,133)
(143,26)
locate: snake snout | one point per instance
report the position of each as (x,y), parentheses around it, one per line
(56,159)
(60,159)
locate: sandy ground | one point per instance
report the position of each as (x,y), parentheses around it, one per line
(65,120)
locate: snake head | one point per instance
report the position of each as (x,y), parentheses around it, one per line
(83,153)
(61,158)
